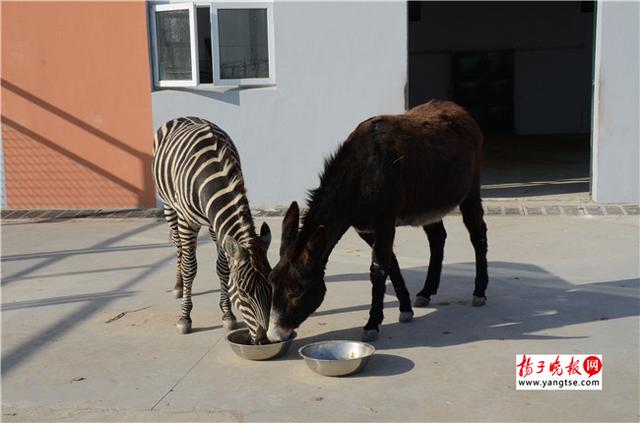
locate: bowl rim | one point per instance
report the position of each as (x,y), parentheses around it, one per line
(231,332)
(306,357)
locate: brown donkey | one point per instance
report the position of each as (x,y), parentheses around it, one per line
(408,169)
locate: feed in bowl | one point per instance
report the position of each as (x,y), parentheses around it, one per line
(241,344)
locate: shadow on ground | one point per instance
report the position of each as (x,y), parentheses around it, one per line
(91,303)
(524,301)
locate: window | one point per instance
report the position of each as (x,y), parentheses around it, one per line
(205,56)
(175,55)
(224,43)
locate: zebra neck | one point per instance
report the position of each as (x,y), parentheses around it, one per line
(233,219)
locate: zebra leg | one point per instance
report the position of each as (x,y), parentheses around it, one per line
(172,219)
(189,241)
(229,321)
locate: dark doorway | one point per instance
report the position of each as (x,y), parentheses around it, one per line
(524,71)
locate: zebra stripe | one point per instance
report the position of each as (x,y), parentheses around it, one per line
(197,172)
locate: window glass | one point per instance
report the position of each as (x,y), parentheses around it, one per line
(244,51)
(174,45)
(204,45)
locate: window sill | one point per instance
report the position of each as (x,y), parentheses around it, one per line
(210,88)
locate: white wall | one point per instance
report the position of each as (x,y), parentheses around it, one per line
(616,137)
(552,59)
(337,63)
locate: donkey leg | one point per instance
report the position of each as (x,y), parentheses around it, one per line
(171,217)
(382,252)
(406,312)
(229,321)
(437,236)
(189,240)
(472,215)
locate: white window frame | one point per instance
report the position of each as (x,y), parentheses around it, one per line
(193,35)
(215,37)
(215,43)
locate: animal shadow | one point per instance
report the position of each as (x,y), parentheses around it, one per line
(524,301)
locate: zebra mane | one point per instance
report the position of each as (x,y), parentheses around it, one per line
(237,181)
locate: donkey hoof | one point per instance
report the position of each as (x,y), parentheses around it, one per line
(406,316)
(229,324)
(177,292)
(478,301)
(421,301)
(183,326)
(369,335)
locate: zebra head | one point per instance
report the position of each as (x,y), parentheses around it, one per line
(249,287)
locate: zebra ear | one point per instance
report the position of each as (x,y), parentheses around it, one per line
(265,236)
(290,228)
(233,249)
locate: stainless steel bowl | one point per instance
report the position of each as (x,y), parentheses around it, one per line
(242,346)
(336,358)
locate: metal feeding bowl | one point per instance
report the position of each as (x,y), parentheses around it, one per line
(336,358)
(241,345)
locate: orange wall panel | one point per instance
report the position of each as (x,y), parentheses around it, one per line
(76,105)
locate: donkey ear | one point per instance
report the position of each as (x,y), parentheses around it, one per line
(233,249)
(290,228)
(265,236)
(314,250)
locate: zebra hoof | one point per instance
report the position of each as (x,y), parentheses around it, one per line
(405,316)
(177,292)
(369,335)
(183,326)
(229,324)
(478,301)
(421,301)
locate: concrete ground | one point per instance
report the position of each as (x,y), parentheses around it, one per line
(559,284)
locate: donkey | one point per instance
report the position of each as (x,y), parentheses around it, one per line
(393,170)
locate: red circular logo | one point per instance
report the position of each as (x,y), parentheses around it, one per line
(592,365)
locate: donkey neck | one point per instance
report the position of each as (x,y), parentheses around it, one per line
(335,225)
(331,206)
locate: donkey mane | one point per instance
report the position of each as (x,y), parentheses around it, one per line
(332,169)
(335,179)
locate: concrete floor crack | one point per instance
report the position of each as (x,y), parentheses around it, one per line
(175,385)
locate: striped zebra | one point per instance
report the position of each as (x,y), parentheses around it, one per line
(197,172)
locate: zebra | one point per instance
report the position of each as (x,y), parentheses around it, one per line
(198,177)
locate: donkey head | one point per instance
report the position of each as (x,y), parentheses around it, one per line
(250,290)
(297,279)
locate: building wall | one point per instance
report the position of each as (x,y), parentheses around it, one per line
(337,63)
(3,196)
(76,108)
(552,43)
(616,137)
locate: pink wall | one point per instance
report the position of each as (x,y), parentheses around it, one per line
(76,105)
